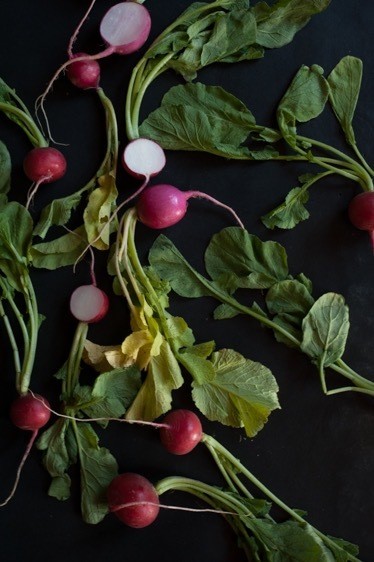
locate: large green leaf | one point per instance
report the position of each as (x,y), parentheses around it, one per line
(5,168)
(15,232)
(59,252)
(57,213)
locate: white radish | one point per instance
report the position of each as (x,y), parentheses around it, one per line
(125,27)
(89,304)
(143,158)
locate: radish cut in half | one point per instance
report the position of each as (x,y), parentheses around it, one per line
(89,304)
(143,158)
(125,27)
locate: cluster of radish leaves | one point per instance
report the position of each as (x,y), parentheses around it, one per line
(209,119)
(225,31)
(235,259)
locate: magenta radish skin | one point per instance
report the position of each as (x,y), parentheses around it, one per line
(143,158)
(126,27)
(128,488)
(361,211)
(183,433)
(30,412)
(84,74)
(44,165)
(161,206)
(89,304)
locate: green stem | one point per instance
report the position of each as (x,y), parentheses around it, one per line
(12,340)
(75,357)
(29,358)
(35,136)
(362,159)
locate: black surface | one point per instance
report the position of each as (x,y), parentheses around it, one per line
(317,452)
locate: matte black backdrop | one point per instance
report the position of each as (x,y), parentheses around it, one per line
(317,452)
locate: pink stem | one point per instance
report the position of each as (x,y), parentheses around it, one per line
(174,507)
(371,234)
(20,467)
(33,189)
(201,195)
(76,32)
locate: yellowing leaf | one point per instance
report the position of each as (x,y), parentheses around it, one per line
(98,211)
(100,357)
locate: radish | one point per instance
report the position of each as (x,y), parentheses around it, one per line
(361,213)
(182,433)
(125,27)
(29,412)
(143,158)
(163,205)
(89,304)
(84,74)
(130,488)
(43,165)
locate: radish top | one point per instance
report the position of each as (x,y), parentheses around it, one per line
(126,27)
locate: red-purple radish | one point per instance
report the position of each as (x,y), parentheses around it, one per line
(183,432)
(130,488)
(44,165)
(84,74)
(164,205)
(30,412)
(361,212)
(143,158)
(125,27)
(89,304)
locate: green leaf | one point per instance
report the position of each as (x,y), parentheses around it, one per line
(5,168)
(199,117)
(59,252)
(57,458)
(278,24)
(98,211)
(15,232)
(238,392)
(57,213)
(155,396)
(325,329)
(290,541)
(98,467)
(201,349)
(171,265)
(224,311)
(345,83)
(343,550)
(304,100)
(113,392)
(179,331)
(251,262)
(291,212)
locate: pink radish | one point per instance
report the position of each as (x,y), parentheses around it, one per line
(29,412)
(130,488)
(43,165)
(361,213)
(89,304)
(163,205)
(143,158)
(84,74)
(182,433)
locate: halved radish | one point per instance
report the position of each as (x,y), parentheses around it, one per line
(125,27)
(143,158)
(89,304)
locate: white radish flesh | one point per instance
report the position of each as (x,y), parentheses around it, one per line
(125,27)
(88,304)
(143,158)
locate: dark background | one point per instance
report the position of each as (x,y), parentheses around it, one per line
(317,452)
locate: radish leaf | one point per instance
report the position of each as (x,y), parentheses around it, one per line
(59,252)
(5,168)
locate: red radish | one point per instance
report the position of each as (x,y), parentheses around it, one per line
(143,158)
(361,212)
(130,488)
(89,304)
(163,205)
(183,432)
(43,165)
(30,412)
(84,74)
(125,27)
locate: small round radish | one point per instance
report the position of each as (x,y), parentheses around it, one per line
(89,304)
(129,488)
(143,158)
(44,165)
(361,212)
(163,205)
(183,433)
(30,412)
(84,74)
(126,27)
